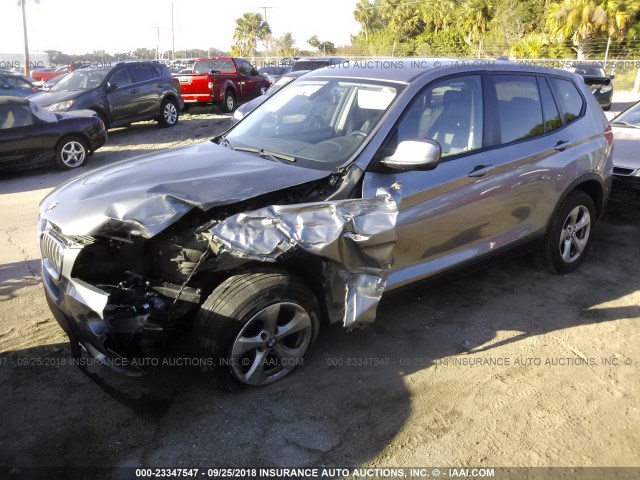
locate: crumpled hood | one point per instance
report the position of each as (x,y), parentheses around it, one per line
(145,195)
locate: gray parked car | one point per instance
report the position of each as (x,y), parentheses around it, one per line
(626,161)
(346,184)
(128,92)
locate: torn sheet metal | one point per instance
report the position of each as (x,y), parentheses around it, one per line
(356,235)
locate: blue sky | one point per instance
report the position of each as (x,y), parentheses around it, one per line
(79,26)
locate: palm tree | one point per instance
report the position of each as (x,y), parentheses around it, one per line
(585,20)
(250,28)
(285,45)
(364,13)
(475,16)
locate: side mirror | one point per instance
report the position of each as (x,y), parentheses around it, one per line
(612,76)
(414,155)
(111,86)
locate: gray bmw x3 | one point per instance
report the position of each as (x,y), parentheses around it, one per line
(353,181)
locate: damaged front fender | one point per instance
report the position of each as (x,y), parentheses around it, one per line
(356,236)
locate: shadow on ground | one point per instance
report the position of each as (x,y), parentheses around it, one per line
(342,408)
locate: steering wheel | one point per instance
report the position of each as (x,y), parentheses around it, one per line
(359,133)
(315,121)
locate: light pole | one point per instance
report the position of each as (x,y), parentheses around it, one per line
(265,21)
(173,37)
(26,40)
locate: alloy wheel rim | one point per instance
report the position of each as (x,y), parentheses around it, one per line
(271,344)
(73,154)
(230,102)
(575,234)
(170,113)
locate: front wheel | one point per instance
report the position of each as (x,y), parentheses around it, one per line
(569,236)
(71,152)
(254,329)
(168,113)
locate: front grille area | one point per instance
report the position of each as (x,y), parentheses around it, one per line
(623,171)
(52,252)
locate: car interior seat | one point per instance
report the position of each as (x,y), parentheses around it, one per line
(452,128)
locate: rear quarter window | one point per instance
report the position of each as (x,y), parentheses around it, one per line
(571,102)
(519,107)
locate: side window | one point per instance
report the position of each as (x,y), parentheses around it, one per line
(142,72)
(552,120)
(519,107)
(449,112)
(14,116)
(122,78)
(570,100)
(245,67)
(158,71)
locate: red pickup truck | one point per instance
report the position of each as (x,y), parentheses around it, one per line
(221,81)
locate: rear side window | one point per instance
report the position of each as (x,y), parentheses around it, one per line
(15,116)
(570,99)
(519,107)
(143,72)
(552,120)
(217,65)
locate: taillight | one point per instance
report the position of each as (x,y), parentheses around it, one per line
(608,134)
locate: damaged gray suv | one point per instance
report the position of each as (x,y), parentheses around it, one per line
(354,180)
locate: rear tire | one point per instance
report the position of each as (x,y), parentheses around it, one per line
(229,102)
(71,152)
(568,238)
(254,329)
(169,113)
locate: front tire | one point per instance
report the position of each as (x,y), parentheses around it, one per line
(71,152)
(254,329)
(169,113)
(569,236)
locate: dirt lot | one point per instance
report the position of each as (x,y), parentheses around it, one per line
(555,381)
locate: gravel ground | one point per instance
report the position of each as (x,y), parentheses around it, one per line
(507,366)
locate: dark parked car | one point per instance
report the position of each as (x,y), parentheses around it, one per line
(15,85)
(597,81)
(347,183)
(626,155)
(282,82)
(129,92)
(314,63)
(31,136)
(274,72)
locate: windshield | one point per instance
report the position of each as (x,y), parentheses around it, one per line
(81,80)
(17,81)
(319,123)
(631,116)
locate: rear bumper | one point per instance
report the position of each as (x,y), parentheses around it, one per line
(197,98)
(625,189)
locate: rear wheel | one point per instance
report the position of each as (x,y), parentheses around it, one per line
(254,329)
(71,152)
(569,236)
(169,113)
(229,102)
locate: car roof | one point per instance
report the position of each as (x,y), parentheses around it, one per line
(9,100)
(406,70)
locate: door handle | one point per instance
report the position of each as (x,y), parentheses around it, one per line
(561,146)
(135,90)
(481,170)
